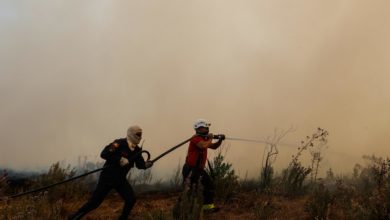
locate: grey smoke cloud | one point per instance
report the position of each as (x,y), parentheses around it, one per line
(74,75)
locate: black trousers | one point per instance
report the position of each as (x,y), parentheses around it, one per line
(102,189)
(208,186)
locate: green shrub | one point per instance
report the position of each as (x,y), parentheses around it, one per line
(224,177)
(293,178)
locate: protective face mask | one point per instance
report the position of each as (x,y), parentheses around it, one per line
(205,132)
(134,134)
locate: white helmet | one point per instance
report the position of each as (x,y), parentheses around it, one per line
(201,123)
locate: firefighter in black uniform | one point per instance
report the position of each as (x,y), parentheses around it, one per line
(120,156)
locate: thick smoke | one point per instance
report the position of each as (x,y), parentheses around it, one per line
(74,75)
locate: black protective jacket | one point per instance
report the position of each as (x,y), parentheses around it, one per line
(112,153)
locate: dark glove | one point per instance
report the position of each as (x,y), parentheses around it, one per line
(221,137)
(148,164)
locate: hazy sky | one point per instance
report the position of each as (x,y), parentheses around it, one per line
(75,74)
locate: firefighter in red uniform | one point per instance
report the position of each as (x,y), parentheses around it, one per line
(193,168)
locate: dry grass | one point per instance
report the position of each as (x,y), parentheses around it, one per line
(160,205)
(363,195)
(243,207)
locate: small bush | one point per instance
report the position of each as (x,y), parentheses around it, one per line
(293,178)
(57,173)
(225,179)
(319,202)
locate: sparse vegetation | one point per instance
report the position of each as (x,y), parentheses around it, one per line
(33,207)
(270,153)
(362,196)
(58,173)
(295,174)
(297,193)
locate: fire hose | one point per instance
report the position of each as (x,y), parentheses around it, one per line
(132,159)
(97,170)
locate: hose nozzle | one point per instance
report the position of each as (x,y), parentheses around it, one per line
(219,136)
